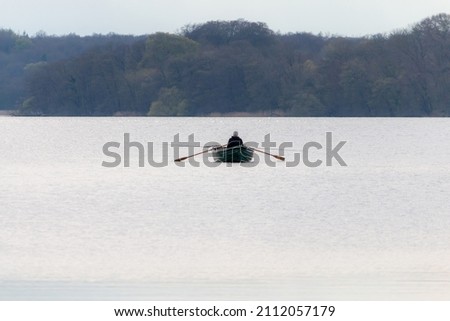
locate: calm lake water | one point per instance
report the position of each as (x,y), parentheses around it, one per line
(378,229)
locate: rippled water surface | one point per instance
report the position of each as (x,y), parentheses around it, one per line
(374,230)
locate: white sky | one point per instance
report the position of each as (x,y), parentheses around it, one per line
(342,17)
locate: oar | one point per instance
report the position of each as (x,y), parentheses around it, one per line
(281,158)
(184,158)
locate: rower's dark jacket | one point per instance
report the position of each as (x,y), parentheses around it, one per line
(235,141)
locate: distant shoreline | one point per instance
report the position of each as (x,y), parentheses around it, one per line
(274,113)
(214,115)
(7,113)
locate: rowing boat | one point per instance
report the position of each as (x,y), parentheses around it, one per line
(236,154)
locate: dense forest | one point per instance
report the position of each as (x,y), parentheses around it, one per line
(226,67)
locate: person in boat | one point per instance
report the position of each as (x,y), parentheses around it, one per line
(235,140)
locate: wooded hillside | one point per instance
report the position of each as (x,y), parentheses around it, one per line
(230,66)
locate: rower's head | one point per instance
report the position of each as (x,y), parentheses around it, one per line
(235,134)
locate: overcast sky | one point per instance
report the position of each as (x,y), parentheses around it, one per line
(342,17)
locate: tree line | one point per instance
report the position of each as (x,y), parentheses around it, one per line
(20,52)
(223,67)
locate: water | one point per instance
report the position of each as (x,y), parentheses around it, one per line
(377,229)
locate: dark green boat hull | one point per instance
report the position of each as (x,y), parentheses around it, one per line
(239,154)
